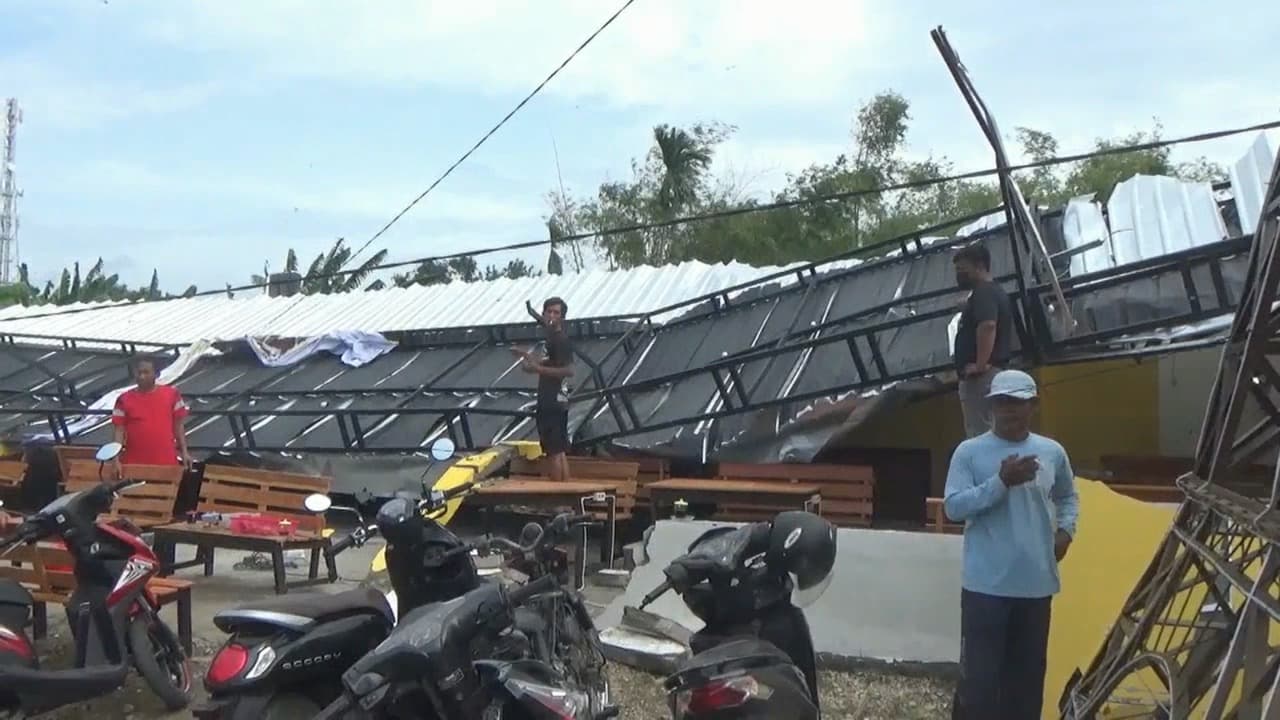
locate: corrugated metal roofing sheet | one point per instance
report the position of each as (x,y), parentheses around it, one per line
(599,293)
(1149,216)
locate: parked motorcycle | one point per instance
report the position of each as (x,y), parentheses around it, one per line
(754,658)
(285,655)
(114,619)
(568,661)
(497,652)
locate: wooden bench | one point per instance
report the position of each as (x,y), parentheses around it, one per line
(11,474)
(46,570)
(938,520)
(146,506)
(848,491)
(622,476)
(553,495)
(231,490)
(754,495)
(69,453)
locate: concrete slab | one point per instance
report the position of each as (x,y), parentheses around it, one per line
(895,596)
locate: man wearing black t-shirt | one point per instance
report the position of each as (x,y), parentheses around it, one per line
(984,338)
(552,410)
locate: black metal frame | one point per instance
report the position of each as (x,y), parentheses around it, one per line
(1225,536)
(730,395)
(1039,298)
(454,420)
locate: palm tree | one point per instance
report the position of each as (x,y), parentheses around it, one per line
(321,277)
(684,161)
(73,287)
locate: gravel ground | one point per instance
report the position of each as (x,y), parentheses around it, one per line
(845,696)
(851,696)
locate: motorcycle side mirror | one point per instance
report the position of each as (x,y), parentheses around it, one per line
(317,503)
(442,449)
(108,452)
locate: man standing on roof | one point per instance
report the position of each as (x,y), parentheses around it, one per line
(552,410)
(149,421)
(984,338)
(1015,492)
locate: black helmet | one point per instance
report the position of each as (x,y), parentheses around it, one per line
(803,545)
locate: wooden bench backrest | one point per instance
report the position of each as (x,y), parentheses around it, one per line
(582,468)
(621,475)
(243,490)
(67,453)
(149,504)
(848,491)
(47,572)
(11,472)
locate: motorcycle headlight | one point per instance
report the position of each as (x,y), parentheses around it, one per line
(567,704)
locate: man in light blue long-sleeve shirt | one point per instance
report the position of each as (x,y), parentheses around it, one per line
(1015,493)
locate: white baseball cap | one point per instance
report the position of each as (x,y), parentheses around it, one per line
(1013,383)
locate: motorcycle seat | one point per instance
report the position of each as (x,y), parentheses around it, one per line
(739,652)
(13,593)
(300,612)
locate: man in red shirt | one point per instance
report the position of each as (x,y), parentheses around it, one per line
(149,421)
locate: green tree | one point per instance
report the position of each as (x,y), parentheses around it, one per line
(676,178)
(72,287)
(463,269)
(320,277)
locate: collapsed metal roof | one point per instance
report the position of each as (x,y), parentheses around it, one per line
(727,373)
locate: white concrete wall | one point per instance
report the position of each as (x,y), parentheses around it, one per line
(895,595)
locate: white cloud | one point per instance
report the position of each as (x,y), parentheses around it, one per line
(54,97)
(658,52)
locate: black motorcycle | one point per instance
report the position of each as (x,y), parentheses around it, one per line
(494,653)
(754,658)
(286,654)
(568,662)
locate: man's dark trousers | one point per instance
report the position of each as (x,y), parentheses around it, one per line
(1003,645)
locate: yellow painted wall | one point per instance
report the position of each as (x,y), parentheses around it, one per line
(1093,409)
(1116,539)
(933,423)
(1101,408)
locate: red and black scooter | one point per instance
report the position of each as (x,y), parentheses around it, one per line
(114,619)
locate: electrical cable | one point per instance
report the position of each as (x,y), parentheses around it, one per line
(492,130)
(704,217)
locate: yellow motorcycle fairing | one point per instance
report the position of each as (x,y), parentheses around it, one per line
(459,474)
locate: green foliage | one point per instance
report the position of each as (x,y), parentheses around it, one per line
(72,287)
(321,277)
(675,179)
(463,269)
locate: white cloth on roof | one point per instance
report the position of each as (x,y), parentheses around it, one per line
(355,347)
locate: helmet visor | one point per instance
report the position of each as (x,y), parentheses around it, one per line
(803,596)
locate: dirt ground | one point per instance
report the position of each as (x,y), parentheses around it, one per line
(851,696)
(845,696)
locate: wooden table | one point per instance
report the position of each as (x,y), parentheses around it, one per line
(766,495)
(552,493)
(206,537)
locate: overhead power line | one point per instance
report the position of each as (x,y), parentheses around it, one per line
(492,130)
(704,217)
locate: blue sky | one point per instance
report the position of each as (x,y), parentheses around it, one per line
(206,138)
